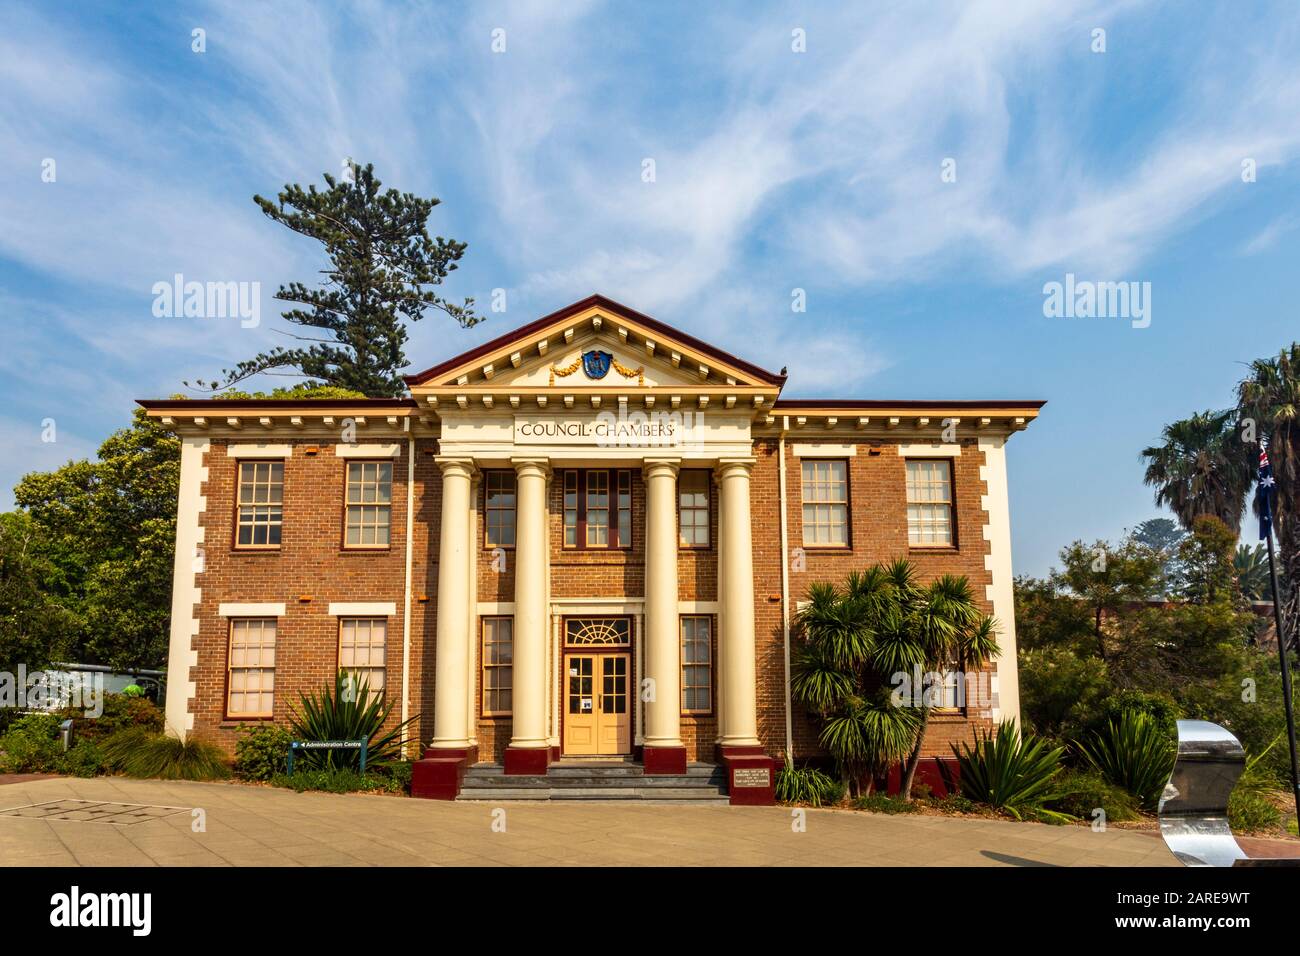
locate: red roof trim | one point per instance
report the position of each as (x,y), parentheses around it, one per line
(593,301)
(908,403)
(181,404)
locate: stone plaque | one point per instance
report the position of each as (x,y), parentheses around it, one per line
(751,777)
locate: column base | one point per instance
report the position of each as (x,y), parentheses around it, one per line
(751,775)
(438,776)
(526,761)
(663,761)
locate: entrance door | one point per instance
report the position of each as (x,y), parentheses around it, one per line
(598,715)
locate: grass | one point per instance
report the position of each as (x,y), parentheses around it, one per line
(137,752)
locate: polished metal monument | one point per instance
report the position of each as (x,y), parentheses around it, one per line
(1194,808)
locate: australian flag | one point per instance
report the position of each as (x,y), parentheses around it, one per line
(1265,493)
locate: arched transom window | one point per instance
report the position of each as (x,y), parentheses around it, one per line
(597,632)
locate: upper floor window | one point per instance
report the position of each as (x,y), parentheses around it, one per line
(499,509)
(929,502)
(825,493)
(598,508)
(693,508)
(261,503)
(362,643)
(369,504)
(250,673)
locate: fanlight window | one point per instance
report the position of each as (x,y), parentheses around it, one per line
(597,632)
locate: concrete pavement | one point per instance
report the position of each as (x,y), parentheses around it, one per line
(261,826)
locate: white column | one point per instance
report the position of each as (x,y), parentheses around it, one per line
(471,612)
(529,730)
(451,662)
(736,596)
(662,640)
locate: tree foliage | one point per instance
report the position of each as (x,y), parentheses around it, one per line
(855,641)
(382,265)
(1201,468)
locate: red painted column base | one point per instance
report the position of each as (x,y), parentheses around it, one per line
(751,776)
(527,761)
(663,761)
(438,776)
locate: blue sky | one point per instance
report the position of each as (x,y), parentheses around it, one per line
(775,170)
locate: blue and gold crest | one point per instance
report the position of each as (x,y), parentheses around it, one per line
(596,363)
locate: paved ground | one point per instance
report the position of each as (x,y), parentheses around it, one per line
(253,826)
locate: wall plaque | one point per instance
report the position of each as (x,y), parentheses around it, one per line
(751,777)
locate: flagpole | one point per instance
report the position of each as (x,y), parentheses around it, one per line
(1286,675)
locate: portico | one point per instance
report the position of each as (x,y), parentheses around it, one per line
(577,423)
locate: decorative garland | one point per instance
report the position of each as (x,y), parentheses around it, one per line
(567,370)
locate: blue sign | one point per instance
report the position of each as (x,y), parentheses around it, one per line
(596,364)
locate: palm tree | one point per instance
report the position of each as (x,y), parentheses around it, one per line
(1202,468)
(859,639)
(1270,395)
(1251,568)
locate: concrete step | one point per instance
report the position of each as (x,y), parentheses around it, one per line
(667,795)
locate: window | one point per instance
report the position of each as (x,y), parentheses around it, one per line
(598,509)
(825,503)
(498,665)
(250,678)
(948,690)
(697,665)
(693,509)
(499,509)
(261,502)
(362,642)
(929,502)
(370,502)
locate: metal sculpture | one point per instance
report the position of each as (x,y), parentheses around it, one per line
(1194,808)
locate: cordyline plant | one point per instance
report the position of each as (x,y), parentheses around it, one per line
(348,711)
(856,640)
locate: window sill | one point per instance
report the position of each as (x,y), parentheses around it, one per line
(383,550)
(939,548)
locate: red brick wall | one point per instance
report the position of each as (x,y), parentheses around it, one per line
(312,562)
(878,532)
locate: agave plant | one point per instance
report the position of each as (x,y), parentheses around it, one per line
(348,712)
(805,785)
(1010,771)
(1135,753)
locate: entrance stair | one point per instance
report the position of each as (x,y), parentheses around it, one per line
(590,780)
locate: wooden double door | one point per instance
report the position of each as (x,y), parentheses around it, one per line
(598,704)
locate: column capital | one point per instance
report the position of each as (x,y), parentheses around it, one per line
(728,466)
(455,466)
(526,467)
(652,467)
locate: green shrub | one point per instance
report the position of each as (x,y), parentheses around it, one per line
(261,752)
(1133,752)
(1250,811)
(1080,792)
(347,712)
(31,745)
(883,803)
(807,785)
(1159,707)
(121,711)
(954,803)
(338,780)
(1010,771)
(138,753)
(85,759)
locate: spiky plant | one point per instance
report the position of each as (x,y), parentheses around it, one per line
(347,711)
(1135,753)
(1011,771)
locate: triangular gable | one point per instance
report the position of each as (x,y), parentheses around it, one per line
(548,353)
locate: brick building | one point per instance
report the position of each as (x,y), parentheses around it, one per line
(584,539)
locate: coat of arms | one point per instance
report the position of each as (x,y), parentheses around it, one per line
(596,363)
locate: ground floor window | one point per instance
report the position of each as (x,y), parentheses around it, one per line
(498,665)
(697,664)
(250,678)
(362,647)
